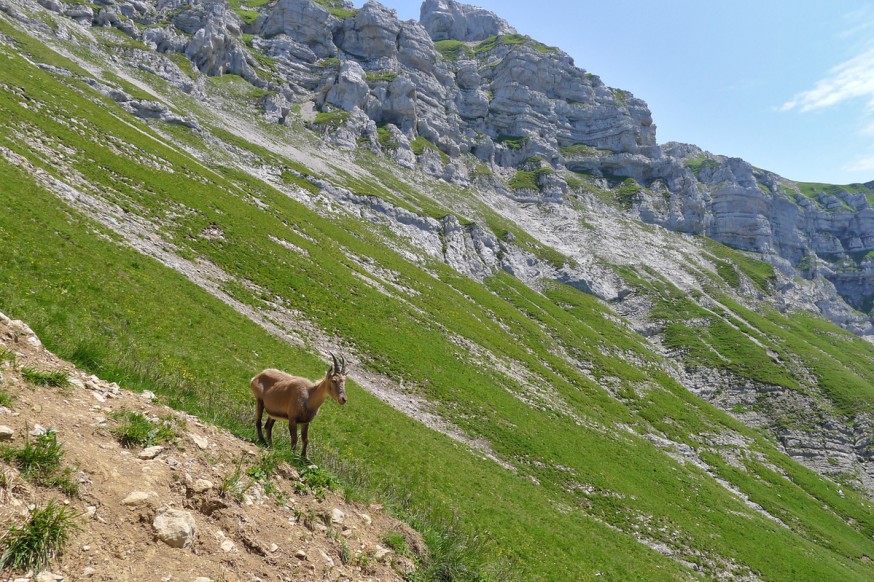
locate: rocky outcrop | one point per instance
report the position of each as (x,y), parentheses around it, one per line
(450,20)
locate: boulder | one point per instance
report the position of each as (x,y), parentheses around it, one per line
(175,527)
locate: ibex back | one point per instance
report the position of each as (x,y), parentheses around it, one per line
(295,399)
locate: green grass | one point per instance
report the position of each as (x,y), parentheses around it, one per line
(133,429)
(41,461)
(56,379)
(331,118)
(528,180)
(39,541)
(514,142)
(337,9)
(453,50)
(420,144)
(381,76)
(493,42)
(584,485)
(696,164)
(6,399)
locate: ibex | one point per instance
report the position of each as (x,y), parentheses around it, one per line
(295,399)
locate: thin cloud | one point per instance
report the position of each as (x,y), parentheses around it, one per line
(861,164)
(852,79)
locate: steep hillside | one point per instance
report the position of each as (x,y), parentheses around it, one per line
(152,494)
(545,385)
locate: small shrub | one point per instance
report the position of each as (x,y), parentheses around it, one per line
(40,540)
(331,118)
(233,485)
(54,379)
(5,399)
(40,461)
(135,430)
(315,481)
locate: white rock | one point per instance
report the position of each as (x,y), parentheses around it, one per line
(91,512)
(47,577)
(38,430)
(273,548)
(201,485)
(228,546)
(202,579)
(6,433)
(88,571)
(381,552)
(175,527)
(76,382)
(327,558)
(150,452)
(98,396)
(201,442)
(137,498)
(147,394)
(301,555)
(366,518)
(337,516)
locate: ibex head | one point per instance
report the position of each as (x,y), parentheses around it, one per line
(337,375)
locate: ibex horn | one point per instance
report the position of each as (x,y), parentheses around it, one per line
(343,360)
(336,365)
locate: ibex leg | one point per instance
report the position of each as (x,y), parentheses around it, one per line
(304,436)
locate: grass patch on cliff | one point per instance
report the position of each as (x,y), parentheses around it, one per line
(453,50)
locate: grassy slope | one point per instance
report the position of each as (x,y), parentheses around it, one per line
(119,313)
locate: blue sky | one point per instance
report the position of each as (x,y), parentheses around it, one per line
(788,85)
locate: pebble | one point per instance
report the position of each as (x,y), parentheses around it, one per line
(98,396)
(6,433)
(366,518)
(201,442)
(150,452)
(175,527)
(327,558)
(201,485)
(228,546)
(137,498)
(89,571)
(148,395)
(301,555)
(38,430)
(91,511)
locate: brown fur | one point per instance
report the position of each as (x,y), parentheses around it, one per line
(294,399)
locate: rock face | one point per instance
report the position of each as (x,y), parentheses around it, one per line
(449,20)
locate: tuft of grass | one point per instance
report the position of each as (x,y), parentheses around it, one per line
(420,144)
(315,481)
(41,461)
(386,75)
(397,542)
(40,540)
(5,399)
(135,430)
(453,50)
(514,142)
(7,355)
(234,484)
(331,118)
(57,379)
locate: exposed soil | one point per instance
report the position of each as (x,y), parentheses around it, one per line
(267,532)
